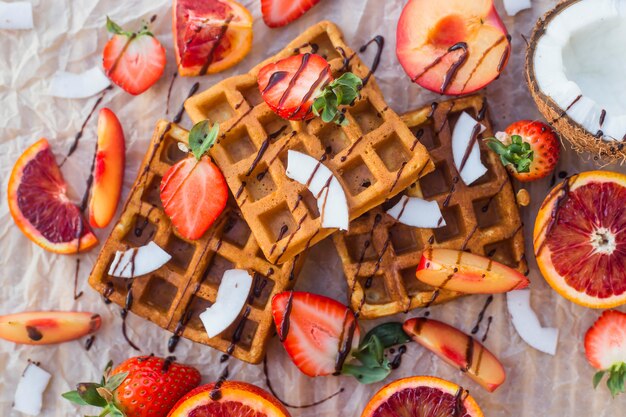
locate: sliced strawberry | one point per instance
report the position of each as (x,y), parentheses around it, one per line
(301,86)
(317,332)
(193,191)
(529,149)
(133,60)
(277,13)
(605,348)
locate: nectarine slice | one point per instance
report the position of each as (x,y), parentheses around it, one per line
(47,327)
(108,170)
(452,46)
(457,349)
(467,273)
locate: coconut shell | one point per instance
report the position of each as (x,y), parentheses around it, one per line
(603,152)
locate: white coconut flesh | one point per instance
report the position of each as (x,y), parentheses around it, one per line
(513,7)
(16,15)
(579,63)
(466,149)
(527,323)
(139,261)
(29,393)
(416,212)
(78,85)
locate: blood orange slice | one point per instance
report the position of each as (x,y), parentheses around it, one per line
(422,396)
(580,239)
(232,399)
(39,204)
(210,36)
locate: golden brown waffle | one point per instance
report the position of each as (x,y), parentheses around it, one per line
(174,296)
(374,157)
(380,255)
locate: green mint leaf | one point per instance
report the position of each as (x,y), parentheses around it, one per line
(74,397)
(349,80)
(115,381)
(366,375)
(330,112)
(338,93)
(114,27)
(201,138)
(597,378)
(390,334)
(88,392)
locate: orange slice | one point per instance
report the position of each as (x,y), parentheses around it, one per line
(580,239)
(233,399)
(422,396)
(210,36)
(39,204)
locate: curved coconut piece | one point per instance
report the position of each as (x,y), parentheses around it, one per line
(527,323)
(139,261)
(466,149)
(321,182)
(231,297)
(29,393)
(81,85)
(16,15)
(578,86)
(416,212)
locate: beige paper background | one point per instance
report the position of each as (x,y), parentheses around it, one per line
(69,35)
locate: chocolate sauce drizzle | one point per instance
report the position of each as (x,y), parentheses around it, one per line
(454,68)
(564,112)
(216,43)
(169,92)
(481,315)
(124,312)
(346,59)
(470,146)
(489,320)
(179,115)
(89,342)
(397,360)
(77,294)
(505,55)
(380,43)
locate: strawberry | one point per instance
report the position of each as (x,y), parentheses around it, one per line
(277,13)
(529,149)
(194,191)
(133,60)
(143,386)
(605,348)
(301,86)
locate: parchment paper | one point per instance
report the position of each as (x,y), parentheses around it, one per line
(69,35)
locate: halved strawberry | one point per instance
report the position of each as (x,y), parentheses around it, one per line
(528,149)
(278,13)
(133,60)
(317,332)
(605,348)
(193,191)
(301,86)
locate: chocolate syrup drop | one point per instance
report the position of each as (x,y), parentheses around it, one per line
(33,333)
(397,360)
(77,295)
(169,92)
(179,114)
(481,315)
(89,342)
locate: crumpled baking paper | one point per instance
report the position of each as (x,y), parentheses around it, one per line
(69,35)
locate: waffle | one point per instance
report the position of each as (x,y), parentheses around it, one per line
(374,157)
(174,296)
(380,255)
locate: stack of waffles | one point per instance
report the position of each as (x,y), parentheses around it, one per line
(271,220)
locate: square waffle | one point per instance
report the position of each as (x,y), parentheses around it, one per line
(174,295)
(374,157)
(380,255)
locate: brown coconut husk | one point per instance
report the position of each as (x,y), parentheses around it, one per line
(601,151)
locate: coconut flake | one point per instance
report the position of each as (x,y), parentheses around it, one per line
(80,85)
(16,15)
(30,388)
(513,7)
(527,323)
(331,198)
(138,261)
(231,297)
(416,212)
(466,150)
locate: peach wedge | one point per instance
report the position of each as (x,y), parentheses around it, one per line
(108,170)
(452,46)
(47,327)
(457,349)
(467,273)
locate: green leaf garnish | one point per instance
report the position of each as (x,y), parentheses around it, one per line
(367,375)
(74,397)
(518,153)
(617,378)
(116,29)
(389,334)
(202,137)
(88,391)
(342,91)
(115,381)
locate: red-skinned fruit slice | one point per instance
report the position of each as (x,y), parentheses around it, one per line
(47,327)
(193,191)
(210,36)
(133,60)
(453,46)
(457,349)
(39,204)
(108,173)
(277,13)
(467,273)
(605,348)
(317,332)
(422,396)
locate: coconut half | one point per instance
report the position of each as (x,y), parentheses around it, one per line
(575,71)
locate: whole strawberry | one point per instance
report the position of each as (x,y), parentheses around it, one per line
(143,386)
(605,348)
(528,149)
